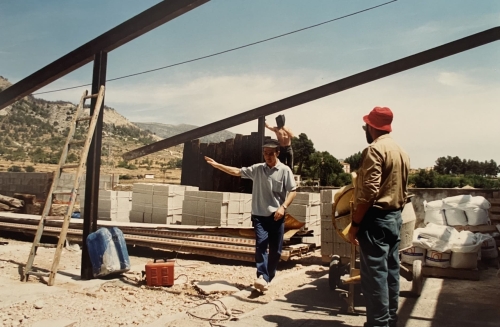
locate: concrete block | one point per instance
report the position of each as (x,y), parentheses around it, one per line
(194,195)
(190,206)
(158,219)
(217,197)
(142,198)
(215,208)
(145,188)
(136,216)
(326,209)
(169,190)
(298,210)
(148,218)
(167,201)
(307,198)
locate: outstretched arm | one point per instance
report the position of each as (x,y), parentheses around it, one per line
(288,131)
(271,128)
(227,169)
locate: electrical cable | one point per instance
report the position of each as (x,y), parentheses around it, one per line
(225,51)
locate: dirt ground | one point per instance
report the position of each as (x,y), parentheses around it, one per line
(127,301)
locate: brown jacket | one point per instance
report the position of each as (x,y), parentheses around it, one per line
(383,175)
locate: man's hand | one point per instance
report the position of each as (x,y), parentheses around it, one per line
(351,235)
(211,161)
(280,213)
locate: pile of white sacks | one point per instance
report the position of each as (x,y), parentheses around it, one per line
(457,210)
(445,247)
(439,245)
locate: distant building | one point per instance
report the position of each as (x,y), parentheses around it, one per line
(346,167)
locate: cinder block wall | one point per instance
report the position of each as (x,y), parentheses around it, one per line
(31,183)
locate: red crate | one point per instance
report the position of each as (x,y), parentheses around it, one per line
(160,273)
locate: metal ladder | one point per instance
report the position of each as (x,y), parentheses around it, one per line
(92,122)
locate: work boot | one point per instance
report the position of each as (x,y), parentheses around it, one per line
(261,284)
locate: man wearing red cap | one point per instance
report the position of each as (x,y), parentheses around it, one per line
(379,196)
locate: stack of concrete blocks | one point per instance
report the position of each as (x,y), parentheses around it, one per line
(114,205)
(331,242)
(158,203)
(306,209)
(67,180)
(206,208)
(29,183)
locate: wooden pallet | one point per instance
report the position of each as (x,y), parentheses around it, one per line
(468,274)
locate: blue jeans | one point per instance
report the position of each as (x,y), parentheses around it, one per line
(379,240)
(268,233)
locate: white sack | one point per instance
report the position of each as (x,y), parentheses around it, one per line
(433,205)
(437,259)
(435,216)
(489,247)
(434,237)
(477,202)
(455,216)
(477,216)
(463,260)
(414,253)
(458,199)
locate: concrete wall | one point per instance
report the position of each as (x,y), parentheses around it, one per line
(31,183)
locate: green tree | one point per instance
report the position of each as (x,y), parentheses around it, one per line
(302,149)
(354,161)
(14,169)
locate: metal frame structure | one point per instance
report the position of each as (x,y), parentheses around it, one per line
(346,83)
(97,51)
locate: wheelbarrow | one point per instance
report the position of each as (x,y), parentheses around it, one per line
(344,271)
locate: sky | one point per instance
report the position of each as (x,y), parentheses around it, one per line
(448,107)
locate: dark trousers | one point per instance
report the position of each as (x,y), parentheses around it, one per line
(379,240)
(268,233)
(286,156)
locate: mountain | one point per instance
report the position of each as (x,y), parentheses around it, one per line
(35,130)
(166,130)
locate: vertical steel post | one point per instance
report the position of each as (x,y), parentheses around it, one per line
(93,165)
(261,130)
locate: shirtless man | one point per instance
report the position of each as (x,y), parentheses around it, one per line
(284,136)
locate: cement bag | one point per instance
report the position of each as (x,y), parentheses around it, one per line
(437,259)
(489,247)
(477,216)
(434,213)
(480,202)
(458,199)
(464,260)
(434,237)
(455,216)
(414,253)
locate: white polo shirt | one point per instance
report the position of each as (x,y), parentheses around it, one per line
(270,186)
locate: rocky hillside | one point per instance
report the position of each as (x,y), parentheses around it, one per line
(167,130)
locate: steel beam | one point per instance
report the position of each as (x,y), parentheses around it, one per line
(367,76)
(93,165)
(112,39)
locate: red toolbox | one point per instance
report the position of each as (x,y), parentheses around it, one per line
(160,273)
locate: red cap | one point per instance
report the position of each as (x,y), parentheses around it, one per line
(380,118)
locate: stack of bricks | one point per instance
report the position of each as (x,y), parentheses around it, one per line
(158,203)
(331,242)
(114,205)
(306,209)
(206,208)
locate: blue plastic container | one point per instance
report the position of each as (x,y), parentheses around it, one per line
(108,252)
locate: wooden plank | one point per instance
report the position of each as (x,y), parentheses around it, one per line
(494,201)
(185,172)
(494,217)
(469,274)
(227,180)
(477,229)
(115,37)
(195,162)
(217,173)
(203,167)
(210,170)
(237,148)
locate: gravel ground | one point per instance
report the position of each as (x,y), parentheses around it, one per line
(127,301)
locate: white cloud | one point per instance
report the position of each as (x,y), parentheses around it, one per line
(452,79)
